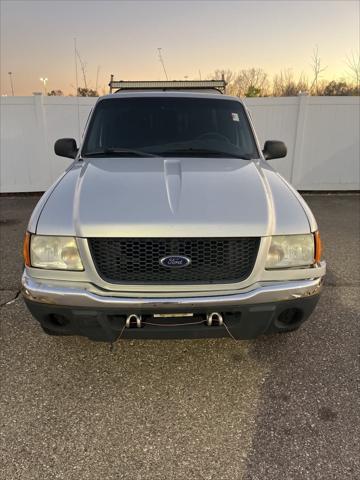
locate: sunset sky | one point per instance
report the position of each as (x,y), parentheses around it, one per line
(37,39)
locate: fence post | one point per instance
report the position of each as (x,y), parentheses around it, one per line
(299,139)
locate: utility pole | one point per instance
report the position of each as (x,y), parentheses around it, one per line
(77,88)
(97,78)
(162,62)
(11,83)
(82,64)
(76,69)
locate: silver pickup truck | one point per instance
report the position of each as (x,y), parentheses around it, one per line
(171,223)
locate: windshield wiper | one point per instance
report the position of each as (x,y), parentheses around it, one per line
(117,152)
(204,151)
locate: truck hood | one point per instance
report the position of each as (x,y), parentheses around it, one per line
(174,197)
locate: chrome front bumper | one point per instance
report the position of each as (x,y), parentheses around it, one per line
(35,290)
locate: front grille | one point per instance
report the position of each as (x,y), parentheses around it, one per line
(137,260)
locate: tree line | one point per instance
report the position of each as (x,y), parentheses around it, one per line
(255,82)
(81,92)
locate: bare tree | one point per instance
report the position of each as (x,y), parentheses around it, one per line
(302,84)
(229,77)
(353,64)
(254,82)
(317,70)
(285,85)
(251,82)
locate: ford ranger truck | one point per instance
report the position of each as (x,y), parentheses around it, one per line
(171,223)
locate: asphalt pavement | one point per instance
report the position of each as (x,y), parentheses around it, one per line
(282,407)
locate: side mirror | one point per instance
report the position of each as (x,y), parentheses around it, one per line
(274,149)
(66,147)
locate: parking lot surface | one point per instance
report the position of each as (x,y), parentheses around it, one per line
(283,407)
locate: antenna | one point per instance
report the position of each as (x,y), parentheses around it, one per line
(162,62)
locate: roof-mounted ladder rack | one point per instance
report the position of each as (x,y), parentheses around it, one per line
(121,85)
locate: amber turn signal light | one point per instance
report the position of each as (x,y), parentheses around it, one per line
(318,247)
(26,249)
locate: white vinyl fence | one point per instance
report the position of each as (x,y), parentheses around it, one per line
(321,133)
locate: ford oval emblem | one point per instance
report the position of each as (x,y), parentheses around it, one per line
(175,261)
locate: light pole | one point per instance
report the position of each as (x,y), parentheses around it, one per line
(44,81)
(11,83)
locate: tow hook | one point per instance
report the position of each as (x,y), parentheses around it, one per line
(214,318)
(133,320)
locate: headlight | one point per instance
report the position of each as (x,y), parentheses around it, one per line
(54,253)
(288,251)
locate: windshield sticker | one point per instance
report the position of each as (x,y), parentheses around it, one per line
(235,117)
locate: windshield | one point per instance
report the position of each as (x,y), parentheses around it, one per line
(170,126)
